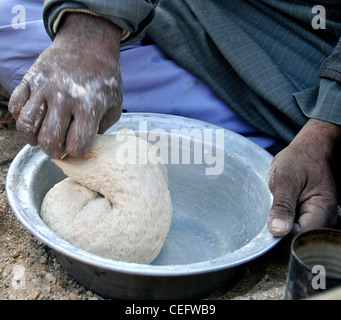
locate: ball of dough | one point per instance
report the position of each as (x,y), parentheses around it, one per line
(115,202)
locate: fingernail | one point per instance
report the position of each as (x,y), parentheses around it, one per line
(279,226)
(63,156)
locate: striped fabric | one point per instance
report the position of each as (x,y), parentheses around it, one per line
(261,57)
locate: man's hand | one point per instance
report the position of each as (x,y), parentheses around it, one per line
(73,90)
(302,183)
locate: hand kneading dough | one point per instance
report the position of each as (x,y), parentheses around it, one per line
(115,210)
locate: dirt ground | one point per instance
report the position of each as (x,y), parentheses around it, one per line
(29,270)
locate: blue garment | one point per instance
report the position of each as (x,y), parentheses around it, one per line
(152,82)
(19,48)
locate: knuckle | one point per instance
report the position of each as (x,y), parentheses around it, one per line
(19,97)
(27,133)
(31,74)
(25,128)
(283,205)
(12,108)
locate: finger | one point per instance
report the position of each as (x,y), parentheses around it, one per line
(18,99)
(53,132)
(22,92)
(30,119)
(285,191)
(109,118)
(319,211)
(81,136)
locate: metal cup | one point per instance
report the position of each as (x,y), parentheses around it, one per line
(315,264)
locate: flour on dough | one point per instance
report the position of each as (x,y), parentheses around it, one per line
(117,210)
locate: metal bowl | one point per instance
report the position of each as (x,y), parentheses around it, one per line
(219,218)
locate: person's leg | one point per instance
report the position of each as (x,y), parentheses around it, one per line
(22,39)
(154,83)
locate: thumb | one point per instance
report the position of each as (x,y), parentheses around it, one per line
(285,193)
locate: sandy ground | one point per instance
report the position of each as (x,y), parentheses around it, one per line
(29,270)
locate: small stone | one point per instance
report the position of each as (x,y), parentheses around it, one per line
(16,254)
(18,272)
(42,260)
(36,295)
(6,271)
(57,267)
(73,296)
(50,277)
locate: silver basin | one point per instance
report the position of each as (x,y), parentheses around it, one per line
(219,219)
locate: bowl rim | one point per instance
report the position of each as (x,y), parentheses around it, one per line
(45,235)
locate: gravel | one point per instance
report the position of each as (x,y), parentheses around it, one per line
(29,269)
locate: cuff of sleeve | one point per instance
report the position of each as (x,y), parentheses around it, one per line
(322,102)
(331,66)
(132,18)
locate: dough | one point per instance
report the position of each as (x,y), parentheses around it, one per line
(113,209)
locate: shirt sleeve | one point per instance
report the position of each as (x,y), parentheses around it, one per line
(323,102)
(331,66)
(131,16)
(328,104)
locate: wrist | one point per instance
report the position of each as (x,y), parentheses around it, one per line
(323,136)
(326,130)
(77,26)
